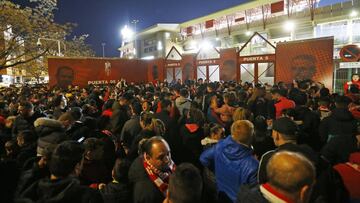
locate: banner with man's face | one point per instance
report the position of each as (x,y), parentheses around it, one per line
(98,71)
(305,59)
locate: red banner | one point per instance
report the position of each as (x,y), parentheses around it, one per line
(189,31)
(84,71)
(277,7)
(209,24)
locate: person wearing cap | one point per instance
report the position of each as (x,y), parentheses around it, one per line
(284,134)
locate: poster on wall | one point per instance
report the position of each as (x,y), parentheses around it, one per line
(85,71)
(305,59)
(228,71)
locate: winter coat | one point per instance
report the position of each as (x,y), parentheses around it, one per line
(338,149)
(347,86)
(94,171)
(207,100)
(22,123)
(47,126)
(309,128)
(303,149)
(350,174)
(79,130)
(182,104)
(144,190)
(31,176)
(340,122)
(282,104)
(130,130)
(61,190)
(250,194)
(116,193)
(262,143)
(26,153)
(191,136)
(259,107)
(234,165)
(118,118)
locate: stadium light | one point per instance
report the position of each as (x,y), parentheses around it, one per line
(127,33)
(248,33)
(353,13)
(289,26)
(206,45)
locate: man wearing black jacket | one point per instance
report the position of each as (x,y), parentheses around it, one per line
(284,135)
(62,186)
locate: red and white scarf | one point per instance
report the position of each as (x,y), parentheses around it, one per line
(272,195)
(159,178)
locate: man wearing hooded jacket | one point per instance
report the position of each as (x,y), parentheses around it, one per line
(233,161)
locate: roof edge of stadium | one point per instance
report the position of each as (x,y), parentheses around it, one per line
(227,11)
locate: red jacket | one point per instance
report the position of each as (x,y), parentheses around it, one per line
(347,86)
(350,173)
(283,103)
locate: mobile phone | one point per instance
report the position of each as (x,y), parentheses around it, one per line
(81,139)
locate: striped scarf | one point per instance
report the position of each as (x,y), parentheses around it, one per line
(159,178)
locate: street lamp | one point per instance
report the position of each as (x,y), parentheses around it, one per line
(290,27)
(353,13)
(103,48)
(38,43)
(206,45)
(135,22)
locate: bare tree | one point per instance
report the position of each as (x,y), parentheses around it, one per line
(312,5)
(22,27)
(266,11)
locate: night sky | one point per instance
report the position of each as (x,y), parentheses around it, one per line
(103,19)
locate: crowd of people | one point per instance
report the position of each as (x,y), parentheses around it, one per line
(196,141)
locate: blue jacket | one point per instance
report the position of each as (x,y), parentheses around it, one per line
(234,166)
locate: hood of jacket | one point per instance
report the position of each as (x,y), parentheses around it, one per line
(181,101)
(233,150)
(47,122)
(46,126)
(342,114)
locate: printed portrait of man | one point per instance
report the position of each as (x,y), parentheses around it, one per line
(64,76)
(228,71)
(188,72)
(303,67)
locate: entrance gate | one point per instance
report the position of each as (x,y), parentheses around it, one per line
(257,61)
